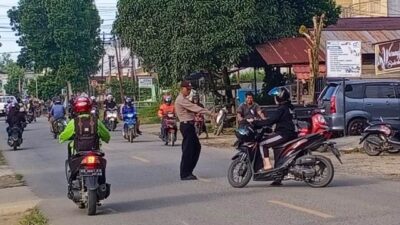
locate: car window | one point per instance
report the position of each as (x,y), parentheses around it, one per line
(354,91)
(379,91)
(328,92)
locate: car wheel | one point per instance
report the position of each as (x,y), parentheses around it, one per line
(356,126)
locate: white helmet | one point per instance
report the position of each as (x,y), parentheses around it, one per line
(22,109)
(92,98)
(109,97)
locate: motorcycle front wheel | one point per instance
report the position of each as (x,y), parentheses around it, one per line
(324,172)
(239,173)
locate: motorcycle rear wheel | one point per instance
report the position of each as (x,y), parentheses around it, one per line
(92,202)
(242,180)
(322,165)
(370,148)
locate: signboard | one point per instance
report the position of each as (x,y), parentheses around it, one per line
(145,82)
(343,58)
(387,57)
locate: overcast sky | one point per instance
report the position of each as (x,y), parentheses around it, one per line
(107,10)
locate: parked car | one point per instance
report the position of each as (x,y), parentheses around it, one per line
(366,100)
(3,103)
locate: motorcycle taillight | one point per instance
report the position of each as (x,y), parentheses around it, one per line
(90,160)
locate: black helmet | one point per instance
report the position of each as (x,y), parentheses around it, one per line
(281,94)
(245,133)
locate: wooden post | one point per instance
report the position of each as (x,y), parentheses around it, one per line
(121,91)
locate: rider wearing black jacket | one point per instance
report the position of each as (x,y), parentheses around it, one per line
(284,127)
(15,117)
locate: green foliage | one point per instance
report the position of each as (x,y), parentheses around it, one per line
(148,114)
(60,35)
(175,37)
(248,76)
(48,86)
(129,87)
(15,77)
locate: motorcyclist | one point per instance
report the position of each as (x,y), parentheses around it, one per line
(129,107)
(109,104)
(284,127)
(15,118)
(196,100)
(57,111)
(249,109)
(166,107)
(85,136)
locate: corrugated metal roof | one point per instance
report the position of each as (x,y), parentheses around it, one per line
(367,38)
(286,51)
(366,23)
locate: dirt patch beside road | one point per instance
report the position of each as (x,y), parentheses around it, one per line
(358,163)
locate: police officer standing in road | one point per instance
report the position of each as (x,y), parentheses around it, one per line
(191,147)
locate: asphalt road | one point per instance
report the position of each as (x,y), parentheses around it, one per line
(146,189)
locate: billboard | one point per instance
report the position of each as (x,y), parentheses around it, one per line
(343,58)
(145,82)
(387,57)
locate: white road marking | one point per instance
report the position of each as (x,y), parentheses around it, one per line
(302,209)
(140,159)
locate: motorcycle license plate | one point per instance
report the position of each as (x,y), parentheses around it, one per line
(90,172)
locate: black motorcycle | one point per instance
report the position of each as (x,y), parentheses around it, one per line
(86,187)
(381,136)
(30,117)
(58,127)
(294,161)
(15,137)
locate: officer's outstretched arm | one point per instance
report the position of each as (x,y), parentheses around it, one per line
(103,132)
(68,132)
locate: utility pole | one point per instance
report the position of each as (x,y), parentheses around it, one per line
(121,91)
(102,59)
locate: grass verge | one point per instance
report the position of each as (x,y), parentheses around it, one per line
(34,217)
(2,159)
(148,114)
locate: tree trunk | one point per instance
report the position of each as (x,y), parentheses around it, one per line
(227,84)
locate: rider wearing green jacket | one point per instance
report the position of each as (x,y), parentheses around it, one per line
(84,141)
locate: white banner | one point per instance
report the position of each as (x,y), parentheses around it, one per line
(343,58)
(146,82)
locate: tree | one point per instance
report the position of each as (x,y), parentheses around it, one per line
(48,86)
(314,37)
(129,87)
(175,37)
(61,35)
(15,79)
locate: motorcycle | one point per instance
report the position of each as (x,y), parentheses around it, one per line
(58,127)
(30,117)
(85,190)
(95,111)
(14,139)
(111,119)
(170,128)
(318,125)
(381,136)
(294,161)
(220,121)
(130,126)
(199,124)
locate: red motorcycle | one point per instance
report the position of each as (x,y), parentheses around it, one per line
(199,124)
(170,128)
(318,126)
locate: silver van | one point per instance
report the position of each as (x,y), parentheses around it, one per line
(365,100)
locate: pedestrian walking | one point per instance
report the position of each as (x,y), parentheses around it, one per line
(191,147)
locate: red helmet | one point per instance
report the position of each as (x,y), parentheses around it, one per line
(82,105)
